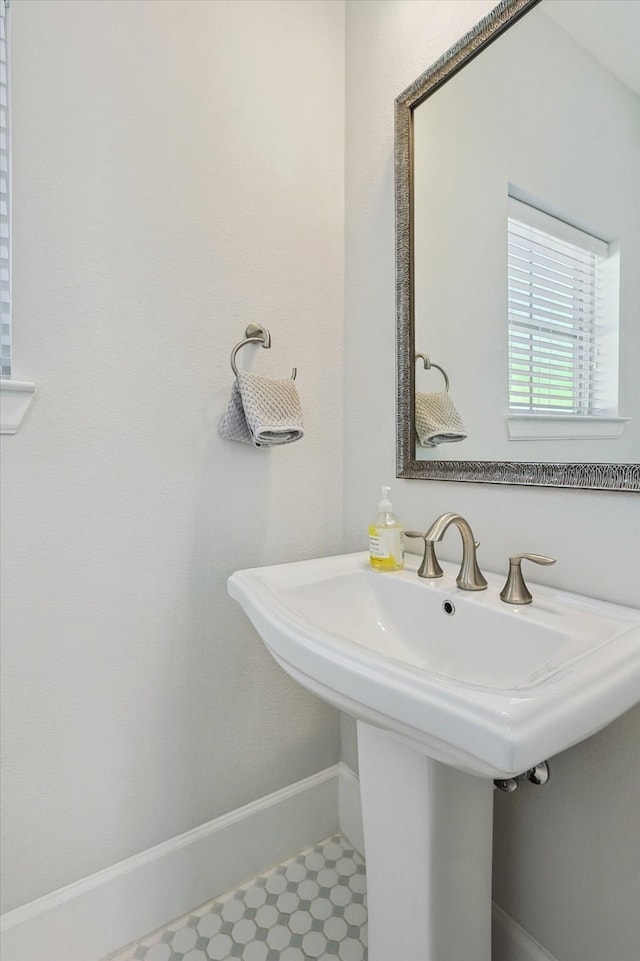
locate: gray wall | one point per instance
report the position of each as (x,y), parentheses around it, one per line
(567,857)
(171,184)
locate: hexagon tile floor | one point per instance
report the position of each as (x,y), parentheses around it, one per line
(311,907)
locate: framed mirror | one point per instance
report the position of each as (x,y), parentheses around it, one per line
(517,245)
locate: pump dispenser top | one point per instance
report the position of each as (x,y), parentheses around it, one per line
(386,537)
(385,506)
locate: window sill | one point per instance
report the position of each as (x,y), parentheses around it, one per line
(15,399)
(564,427)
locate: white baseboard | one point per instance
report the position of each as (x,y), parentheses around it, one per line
(510,941)
(96,916)
(100,914)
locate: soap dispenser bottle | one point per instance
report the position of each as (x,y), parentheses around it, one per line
(386,538)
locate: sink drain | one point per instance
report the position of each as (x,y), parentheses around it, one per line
(449,607)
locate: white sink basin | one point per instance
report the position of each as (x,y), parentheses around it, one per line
(490,689)
(444,703)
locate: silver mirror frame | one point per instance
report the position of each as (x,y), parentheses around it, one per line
(615,477)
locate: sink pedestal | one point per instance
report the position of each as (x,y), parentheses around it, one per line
(428,846)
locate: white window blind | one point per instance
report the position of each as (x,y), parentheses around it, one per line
(5,207)
(555,315)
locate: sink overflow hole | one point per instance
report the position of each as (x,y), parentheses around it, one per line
(448,607)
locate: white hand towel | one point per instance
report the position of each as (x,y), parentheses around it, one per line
(437,419)
(262,412)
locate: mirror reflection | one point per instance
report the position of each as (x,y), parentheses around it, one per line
(526,241)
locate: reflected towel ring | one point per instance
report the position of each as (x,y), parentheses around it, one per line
(255,334)
(428,365)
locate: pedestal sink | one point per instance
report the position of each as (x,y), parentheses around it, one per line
(450,689)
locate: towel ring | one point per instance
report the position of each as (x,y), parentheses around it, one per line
(255,334)
(428,365)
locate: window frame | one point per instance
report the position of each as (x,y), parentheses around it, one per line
(15,395)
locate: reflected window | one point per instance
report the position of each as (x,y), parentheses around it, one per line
(563,324)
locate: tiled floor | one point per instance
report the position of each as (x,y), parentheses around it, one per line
(311,907)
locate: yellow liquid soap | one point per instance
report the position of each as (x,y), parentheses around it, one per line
(388,542)
(386,538)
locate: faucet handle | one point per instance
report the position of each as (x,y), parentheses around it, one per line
(515,591)
(429,566)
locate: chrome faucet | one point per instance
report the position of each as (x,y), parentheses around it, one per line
(470,577)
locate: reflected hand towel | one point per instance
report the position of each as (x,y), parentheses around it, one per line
(437,419)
